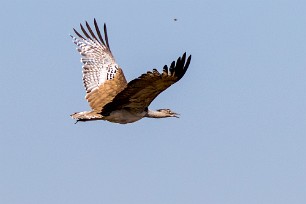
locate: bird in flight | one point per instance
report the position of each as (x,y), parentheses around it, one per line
(109,95)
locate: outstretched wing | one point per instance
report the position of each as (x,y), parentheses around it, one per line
(141,91)
(102,77)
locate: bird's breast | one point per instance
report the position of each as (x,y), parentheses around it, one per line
(124,116)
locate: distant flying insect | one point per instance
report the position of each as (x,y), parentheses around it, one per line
(109,95)
(175,19)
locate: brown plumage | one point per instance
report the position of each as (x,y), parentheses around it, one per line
(109,95)
(141,91)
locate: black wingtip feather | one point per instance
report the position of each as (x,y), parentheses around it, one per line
(185,66)
(187,62)
(91,32)
(98,31)
(184,57)
(78,34)
(172,68)
(165,69)
(182,66)
(84,31)
(106,36)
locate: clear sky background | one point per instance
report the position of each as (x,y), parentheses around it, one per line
(241,137)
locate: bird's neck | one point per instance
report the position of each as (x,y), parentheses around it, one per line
(155,114)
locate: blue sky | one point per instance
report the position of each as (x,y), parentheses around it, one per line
(241,135)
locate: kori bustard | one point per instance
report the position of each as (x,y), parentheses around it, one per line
(109,95)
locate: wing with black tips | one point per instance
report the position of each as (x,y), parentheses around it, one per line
(141,91)
(102,77)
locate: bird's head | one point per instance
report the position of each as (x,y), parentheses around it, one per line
(168,113)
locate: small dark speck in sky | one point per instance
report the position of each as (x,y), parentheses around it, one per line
(175,19)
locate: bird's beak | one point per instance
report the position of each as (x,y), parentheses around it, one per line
(176,115)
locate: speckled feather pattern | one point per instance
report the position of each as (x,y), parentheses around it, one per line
(98,63)
(102,77)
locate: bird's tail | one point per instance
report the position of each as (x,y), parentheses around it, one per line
(86,116)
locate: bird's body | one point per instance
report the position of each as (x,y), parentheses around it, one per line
(109,95)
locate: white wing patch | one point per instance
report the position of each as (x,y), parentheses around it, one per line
(98,63)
